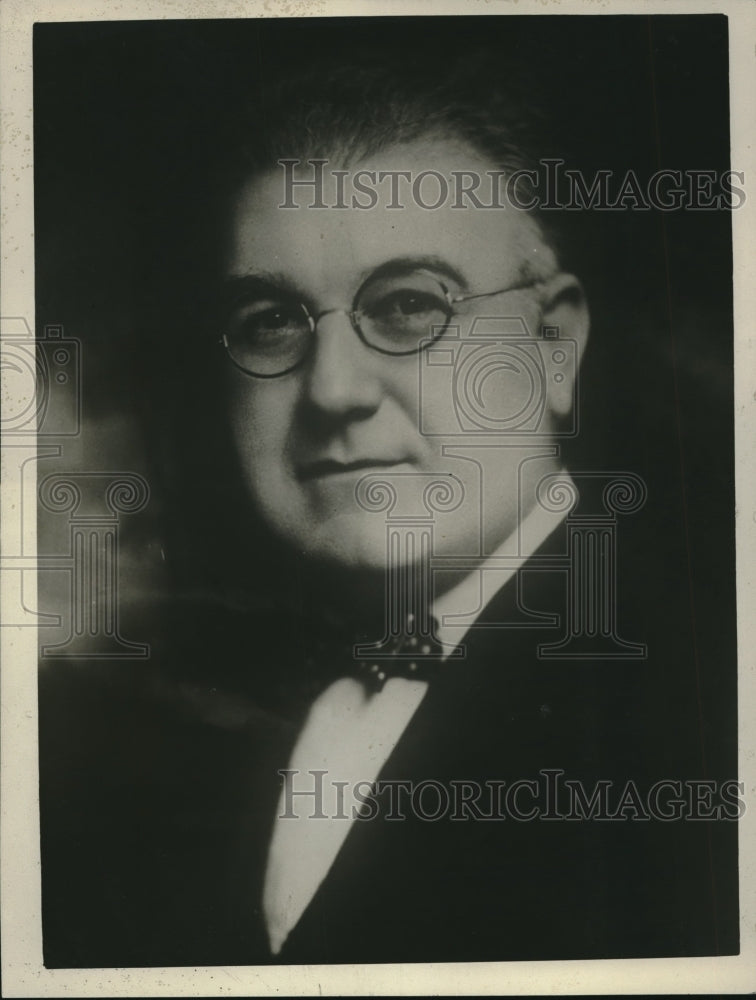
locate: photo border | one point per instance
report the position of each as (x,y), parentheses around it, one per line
(22,971)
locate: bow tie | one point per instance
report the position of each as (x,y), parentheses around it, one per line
(414,653)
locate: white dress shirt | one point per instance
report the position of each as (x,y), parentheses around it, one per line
(350,733)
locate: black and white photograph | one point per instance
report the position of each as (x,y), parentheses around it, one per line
(371,514)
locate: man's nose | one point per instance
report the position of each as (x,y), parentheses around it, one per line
(341,376)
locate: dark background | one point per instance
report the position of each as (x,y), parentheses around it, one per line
(126,118)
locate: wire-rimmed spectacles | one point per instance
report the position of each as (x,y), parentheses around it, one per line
(271,333)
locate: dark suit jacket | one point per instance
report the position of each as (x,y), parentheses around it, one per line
(158,798)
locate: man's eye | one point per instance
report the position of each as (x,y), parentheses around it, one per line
(268,321)
(407,302)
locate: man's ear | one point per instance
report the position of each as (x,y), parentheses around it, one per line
(564,318)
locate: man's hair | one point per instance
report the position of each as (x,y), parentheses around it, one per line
(349,113)
(355,112)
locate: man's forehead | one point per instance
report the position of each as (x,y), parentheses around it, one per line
(408,200)
(401,175)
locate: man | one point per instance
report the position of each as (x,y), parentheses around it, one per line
(394,382)
(310,420)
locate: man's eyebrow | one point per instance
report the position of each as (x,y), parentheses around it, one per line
(239,286)
(422,262)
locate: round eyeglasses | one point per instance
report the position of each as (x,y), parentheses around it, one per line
(270,333)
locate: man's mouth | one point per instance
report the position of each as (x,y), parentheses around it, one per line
(327,467)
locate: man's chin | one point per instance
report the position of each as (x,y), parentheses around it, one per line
(353,542)
(350,545)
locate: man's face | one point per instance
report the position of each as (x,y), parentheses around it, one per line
(306,439)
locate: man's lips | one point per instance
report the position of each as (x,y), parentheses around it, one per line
(325,467)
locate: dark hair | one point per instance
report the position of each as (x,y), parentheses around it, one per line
(353,112)
(357,111)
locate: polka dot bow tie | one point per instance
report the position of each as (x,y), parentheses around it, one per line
(414,653)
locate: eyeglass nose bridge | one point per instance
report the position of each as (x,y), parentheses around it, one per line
(351,314)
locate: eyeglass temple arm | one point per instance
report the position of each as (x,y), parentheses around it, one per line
(499,291)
